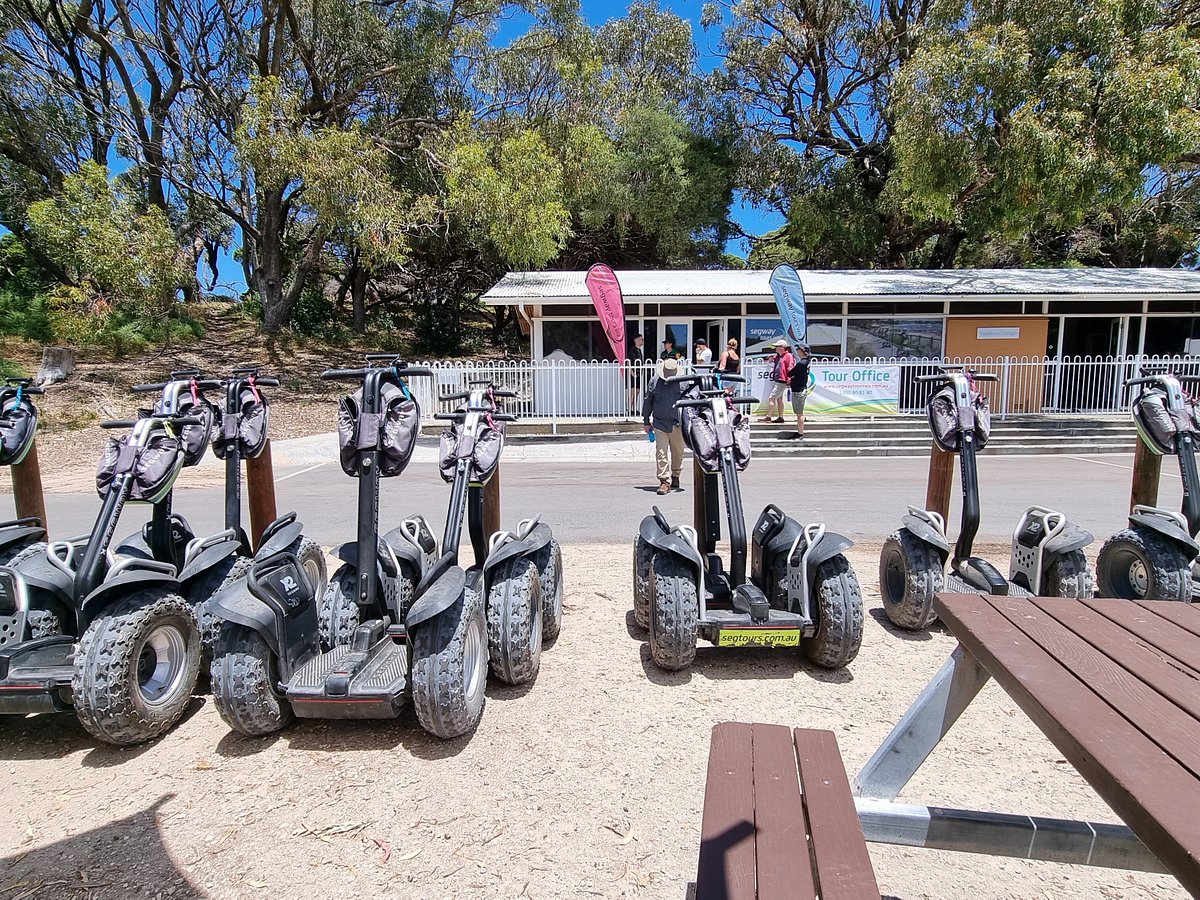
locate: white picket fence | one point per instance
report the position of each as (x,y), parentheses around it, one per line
(557,391)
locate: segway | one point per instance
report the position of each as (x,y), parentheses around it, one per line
(518,572)
(1047,555)
(388,638)
(1153,558)
(18,428)
(111,634)
(802,591)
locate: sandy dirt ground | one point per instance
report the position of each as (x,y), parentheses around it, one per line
(589,783)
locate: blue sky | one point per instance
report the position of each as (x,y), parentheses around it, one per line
(752,219)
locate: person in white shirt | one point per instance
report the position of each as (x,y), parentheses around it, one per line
(703,354)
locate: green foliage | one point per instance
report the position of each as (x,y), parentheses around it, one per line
(314,315)
(24,310)
(114,251)
(510,190)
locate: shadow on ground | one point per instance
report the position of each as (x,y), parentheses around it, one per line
(125,858)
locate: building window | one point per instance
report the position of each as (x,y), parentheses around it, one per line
(894,337)
(577,340)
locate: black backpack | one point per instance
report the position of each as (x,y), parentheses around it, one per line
(393,431)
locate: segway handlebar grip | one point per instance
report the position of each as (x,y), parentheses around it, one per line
(148,388)
(118,423)
(985,377)
(744,399)
(504,417)
(409,371)
(505,394)
(460,395)
(938,377)
(1144,380)
(343,374)
(30,389)
(679,404)
(184,420)
(266,382)
(450,417)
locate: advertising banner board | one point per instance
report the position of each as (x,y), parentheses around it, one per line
(837,389)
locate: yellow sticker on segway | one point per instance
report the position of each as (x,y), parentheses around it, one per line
(764,637)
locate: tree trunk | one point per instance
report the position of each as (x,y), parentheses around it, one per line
(269,272)
(358,299)
(57,364)
(946,249)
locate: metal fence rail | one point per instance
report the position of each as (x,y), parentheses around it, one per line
(566,390)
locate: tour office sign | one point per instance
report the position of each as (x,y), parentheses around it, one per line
(838,389)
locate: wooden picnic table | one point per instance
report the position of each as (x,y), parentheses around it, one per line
(1114,685)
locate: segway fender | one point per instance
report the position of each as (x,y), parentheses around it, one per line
(539,537)
(926,533)
(440,596)
(1072,537)
(280,538)
(405,551)
(236,604)
(506,551)
(670,542)
(1167,529)
(277,606)
(348,553)
(208,558)
(21,534)
(124,584)
(829,546)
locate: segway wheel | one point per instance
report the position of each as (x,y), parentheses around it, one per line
(910,573)
(14,554)
(1069,576)
(839,611)
(549,563)
(514,620)
(643,553)
(244,677)
(674,612)
(1140,564)
(39,622)
(449,667)
(312,561)
(201,590)
(136,666)
(337,614)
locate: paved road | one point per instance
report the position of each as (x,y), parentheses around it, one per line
(602,502)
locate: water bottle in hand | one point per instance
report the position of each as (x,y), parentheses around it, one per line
(650,435)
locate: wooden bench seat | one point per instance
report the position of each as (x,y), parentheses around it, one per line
(779,820)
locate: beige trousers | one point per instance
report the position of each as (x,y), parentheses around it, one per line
(671,442)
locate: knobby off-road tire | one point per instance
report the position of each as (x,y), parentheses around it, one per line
(202,589)
(514,620)
(449,668)
(39,622)
(674,612)
(312,561)
(1070,575)
(838,606)
(337,613)
(643,554)
(1141,564)
(549,564)
(136,666)
(244,676)
(14,554)
(910,573)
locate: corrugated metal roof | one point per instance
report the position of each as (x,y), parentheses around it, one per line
(568,287)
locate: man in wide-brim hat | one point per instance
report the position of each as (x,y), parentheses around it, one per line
(781,363)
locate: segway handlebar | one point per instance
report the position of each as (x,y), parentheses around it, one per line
(1150,379)
(174,420)
(356,374)
(205,384)
(25,384)
(459,416)
(265,382)
(942,376)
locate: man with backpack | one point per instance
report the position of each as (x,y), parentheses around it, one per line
(798,378)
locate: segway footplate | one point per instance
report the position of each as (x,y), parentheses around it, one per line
(730,628)
(342,684)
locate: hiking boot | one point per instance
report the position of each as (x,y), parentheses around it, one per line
(675,483)
(664,487)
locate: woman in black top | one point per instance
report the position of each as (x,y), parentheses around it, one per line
(730,363)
